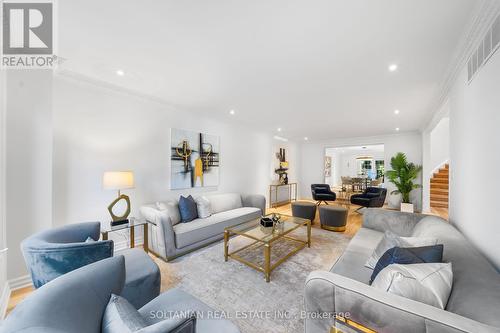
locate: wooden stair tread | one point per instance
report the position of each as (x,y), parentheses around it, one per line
(441,176)
(439,200)
(441,185)
(439,190)
(439,204)
(440,180)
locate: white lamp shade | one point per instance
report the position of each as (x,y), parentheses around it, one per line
(118,180)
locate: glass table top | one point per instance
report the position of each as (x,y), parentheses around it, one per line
(254,230)
(132,222)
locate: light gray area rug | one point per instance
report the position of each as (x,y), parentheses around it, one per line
(242,293)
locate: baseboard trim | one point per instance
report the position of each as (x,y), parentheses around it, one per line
(4,300)
(20,282)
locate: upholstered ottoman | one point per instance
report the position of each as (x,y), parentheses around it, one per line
(304,209)
(142,277)
(333,218)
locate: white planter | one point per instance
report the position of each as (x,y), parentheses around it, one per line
(407,207)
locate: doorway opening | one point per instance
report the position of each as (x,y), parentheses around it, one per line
(351,169)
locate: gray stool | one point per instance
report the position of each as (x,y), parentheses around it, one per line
(304,209)
(333,218)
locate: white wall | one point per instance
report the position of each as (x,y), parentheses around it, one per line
(28,160)
(4,287)
(312,155)
(440,143)
(98,129)
(475,157)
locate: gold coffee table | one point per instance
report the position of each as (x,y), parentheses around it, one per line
(265,238)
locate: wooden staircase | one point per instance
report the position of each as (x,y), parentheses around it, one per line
(440,187)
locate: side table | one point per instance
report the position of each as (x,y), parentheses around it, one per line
(131,225)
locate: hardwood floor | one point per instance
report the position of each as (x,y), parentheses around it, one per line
(354,221)
(17,296)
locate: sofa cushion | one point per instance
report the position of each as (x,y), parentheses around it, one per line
(172,210)
(204,207)
(409,255)
(201,229)
(188,209)
(352,262)
(391,240)
(224,202)
(476,284)
(121,317)
(427,283)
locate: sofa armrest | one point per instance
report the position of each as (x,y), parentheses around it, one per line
(162,231)
(398,222)
(254,200)
(328,294)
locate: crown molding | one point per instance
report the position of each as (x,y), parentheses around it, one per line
(101,84)
(482,20)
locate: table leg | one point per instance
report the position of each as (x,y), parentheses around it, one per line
(267,262)
(132,236)
(105,235)
(146,238)
(226,245)
(309,234)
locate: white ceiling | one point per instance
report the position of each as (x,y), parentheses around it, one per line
(358,149)
(316,68)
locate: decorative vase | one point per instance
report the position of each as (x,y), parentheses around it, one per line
(407,207)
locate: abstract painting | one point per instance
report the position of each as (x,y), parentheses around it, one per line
(194,159)
(328,166)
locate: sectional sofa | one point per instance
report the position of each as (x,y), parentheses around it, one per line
(171,238)
(473,306)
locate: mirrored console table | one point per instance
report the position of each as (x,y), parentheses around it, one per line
(282,194)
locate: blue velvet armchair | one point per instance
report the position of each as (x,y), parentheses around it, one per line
(55,252)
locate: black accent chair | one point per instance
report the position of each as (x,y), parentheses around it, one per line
(322,193)
(371,197)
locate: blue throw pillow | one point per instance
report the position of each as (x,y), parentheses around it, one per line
(187,208)
(408,255)
(121,317)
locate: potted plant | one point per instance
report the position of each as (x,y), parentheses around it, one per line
(402,175)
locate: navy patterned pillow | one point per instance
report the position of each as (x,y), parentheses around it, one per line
(409,255)
(187,208)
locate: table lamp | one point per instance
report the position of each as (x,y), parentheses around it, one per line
(118,180)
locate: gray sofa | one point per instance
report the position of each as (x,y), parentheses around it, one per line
(473,306)
(75,302)
(171,238)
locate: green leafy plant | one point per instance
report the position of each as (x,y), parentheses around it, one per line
(402,175)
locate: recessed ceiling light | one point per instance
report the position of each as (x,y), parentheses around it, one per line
(397,129)
(232,112)
(393,67)
(396,111)
(306,138)
(120,72)
(279,129)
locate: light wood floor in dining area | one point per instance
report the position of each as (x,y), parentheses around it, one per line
(354,221)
